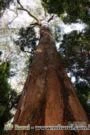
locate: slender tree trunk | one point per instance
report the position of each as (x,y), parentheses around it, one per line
(48,98)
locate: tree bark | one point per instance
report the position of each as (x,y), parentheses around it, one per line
(48,98)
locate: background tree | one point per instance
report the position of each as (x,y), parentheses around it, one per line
(8,97)
(75,50)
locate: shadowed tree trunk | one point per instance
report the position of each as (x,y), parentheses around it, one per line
(48,97)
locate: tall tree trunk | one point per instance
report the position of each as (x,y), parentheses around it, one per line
(48,97)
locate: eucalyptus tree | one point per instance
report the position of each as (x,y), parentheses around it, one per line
(49,98)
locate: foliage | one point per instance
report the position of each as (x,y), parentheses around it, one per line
(74,9)
(27,39)
(75,49)
(83,91)
(3,5)
(8,96)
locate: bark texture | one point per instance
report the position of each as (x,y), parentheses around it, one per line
(48,97)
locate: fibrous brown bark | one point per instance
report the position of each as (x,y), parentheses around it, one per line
(48,98)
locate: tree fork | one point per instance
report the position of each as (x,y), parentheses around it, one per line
(48,98)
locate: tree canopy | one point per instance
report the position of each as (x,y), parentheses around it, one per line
(74,10)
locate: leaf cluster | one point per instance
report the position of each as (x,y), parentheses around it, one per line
(27,39)
(3,5)
(74,9)
(75,51)
(8,97)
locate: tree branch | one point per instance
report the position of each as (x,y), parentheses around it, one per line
(50,18)
(14,17)
(35,24)
(29,13)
